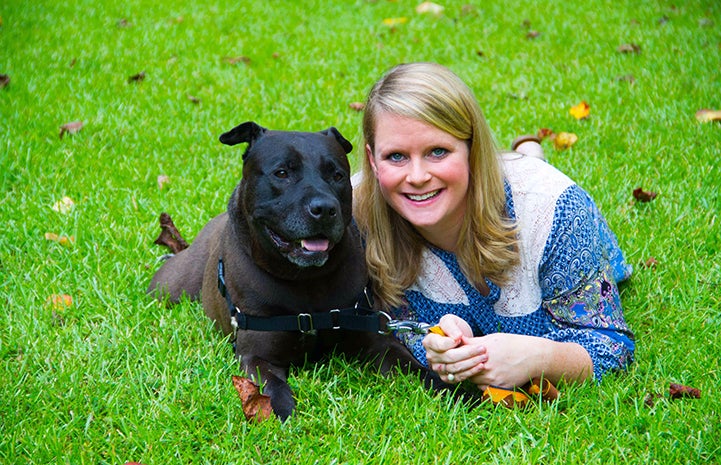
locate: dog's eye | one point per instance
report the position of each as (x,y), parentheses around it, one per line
(282,174)
(338,176)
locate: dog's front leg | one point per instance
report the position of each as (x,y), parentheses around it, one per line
(273,380)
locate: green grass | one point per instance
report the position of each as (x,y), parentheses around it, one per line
(116,377)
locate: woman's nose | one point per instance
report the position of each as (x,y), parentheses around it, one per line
(417,173)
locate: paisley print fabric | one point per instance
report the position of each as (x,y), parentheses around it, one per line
(565,288)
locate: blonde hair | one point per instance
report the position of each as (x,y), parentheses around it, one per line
(487,245)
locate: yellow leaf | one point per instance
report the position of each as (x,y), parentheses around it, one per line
(392,22)
(59,301)
(580,111)
(65,241)
(64,205)
(564,140)
(706,116)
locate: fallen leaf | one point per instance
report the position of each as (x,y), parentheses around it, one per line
(629,48)
(545,133)
(70,128)
(236,60)
(480,53)
(705,22)
(679,391)
(59,301)
(429,8)
(650,399)
(357,106)
(564,140)
(256,406)
(393,22)
(65,241)
(64,205)
(626,78)
(169,236)
(706,116)
(651,262)
(193,99)
(4,81)
(532,34)
(642,196)
(162,181)
(580,111)
(663,20)
(123,23)
(140,77)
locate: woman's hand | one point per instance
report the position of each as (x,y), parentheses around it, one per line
(514,359)
(449,356)
(502,359)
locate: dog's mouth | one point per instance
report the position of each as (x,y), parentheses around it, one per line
(308,251)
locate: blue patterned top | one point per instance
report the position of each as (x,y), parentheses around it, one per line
(565,288)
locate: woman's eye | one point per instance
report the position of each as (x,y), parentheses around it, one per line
(438,152)
(396,157)
(282,174)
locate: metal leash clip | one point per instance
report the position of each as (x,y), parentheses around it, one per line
(415,327)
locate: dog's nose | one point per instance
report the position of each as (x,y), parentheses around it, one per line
(322,209)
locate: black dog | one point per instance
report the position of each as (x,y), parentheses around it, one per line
(284,267)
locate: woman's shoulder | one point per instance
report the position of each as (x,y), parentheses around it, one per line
(529,176)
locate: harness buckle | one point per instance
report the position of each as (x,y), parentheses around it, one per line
(305,323)
(387,329)
(334,318)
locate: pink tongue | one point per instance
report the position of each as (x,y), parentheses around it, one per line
(314,245)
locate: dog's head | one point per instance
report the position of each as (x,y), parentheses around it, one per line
(295,195)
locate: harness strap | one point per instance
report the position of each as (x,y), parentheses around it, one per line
(360,317)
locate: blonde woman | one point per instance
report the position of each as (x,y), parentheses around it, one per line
(507,254)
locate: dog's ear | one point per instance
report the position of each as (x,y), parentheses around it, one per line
(347,146)
(246,132)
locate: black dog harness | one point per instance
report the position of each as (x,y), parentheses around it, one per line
(360,317)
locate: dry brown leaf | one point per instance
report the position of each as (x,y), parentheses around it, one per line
(137,78)
(70,128)
(679,391)
(256,406)
(626,78)
(651,262)
(357,106)
(194,99)
(580,111)
(532,34)
(564,140)
(169,236)
(4,81)
(546,133)
(629,48)
(643,196)
(706,116)
(236,60)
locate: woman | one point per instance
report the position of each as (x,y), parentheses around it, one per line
(509,256)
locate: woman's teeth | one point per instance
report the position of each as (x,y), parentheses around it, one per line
(421,197)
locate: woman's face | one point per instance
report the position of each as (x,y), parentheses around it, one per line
(423,175)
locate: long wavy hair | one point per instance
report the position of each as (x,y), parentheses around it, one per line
(487,245)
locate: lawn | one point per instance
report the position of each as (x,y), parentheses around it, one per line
(94,371)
